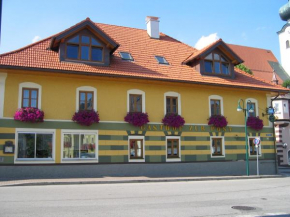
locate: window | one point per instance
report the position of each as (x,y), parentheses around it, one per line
(79,145)
(287,44)
(86,100)
(217,147)
(252,106)
(252,148)
(126,56)
(215,107)
(135,101)
(136,149)
(173,148)
(3,77)
(161,60)
(29,97)
(171,105)
(34,144)
(216,64)
(84,47)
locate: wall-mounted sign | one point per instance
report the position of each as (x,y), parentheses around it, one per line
(8,148)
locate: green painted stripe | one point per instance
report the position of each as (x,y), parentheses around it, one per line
(154,138)
(1,147)
(7,135)
(154,158)
(231,147)
(113,147)
(6,160)
(195,138)
(194,147)
(154,147)
(267,146)
(114,137)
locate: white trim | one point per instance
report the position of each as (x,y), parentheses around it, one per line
(218,98)
(256,105)
(223,147)
(80,160)
(34,160)
(3,77)
(260,147)
(136,137)
(29,85)
(86,88)
(174,94)
(179,157)
(136,91)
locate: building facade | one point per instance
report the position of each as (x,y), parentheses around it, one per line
(118,71)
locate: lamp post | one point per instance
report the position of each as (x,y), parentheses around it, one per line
(246,110)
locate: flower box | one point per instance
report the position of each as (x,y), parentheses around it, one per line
(173,120)
(137,119)
(218,121)
(29,114)
(86,117)
(255,123)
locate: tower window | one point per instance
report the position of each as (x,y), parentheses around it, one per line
(287,44)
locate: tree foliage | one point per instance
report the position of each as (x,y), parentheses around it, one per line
(286,83)
(244,68)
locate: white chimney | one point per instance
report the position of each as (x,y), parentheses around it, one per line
(152,26)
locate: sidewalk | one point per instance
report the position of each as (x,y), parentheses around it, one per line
(118,180)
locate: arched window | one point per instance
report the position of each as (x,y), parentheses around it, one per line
(216,64)
(29,95)
(287,44)
(84,47)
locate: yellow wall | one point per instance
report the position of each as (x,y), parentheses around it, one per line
(59,97)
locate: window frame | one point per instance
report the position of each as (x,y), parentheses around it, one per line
(249,146)
(220,63)
(123,58)
(80,44)
(256,105)
(29,85)
(162,63)
(34,160)
(80,160)
(216,97)
(86,101)
(223,155)
(172,94)
(135,102)
(143,149)
(30,98)
(176,159)
(86,89)
(136,92)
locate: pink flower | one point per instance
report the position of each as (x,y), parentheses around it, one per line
(173,120)
(86,117)
(218,121)
(255,123)
(29,114)
(137,119)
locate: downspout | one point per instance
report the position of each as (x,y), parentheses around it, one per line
(274,137)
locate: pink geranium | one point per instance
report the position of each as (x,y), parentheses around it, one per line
(86,117)
(137,119)
(173,120)
(29,114)
(255,123)
(218,121)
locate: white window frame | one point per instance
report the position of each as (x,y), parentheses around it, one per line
(80,160)
(139,92)
(86,88)
(256,105)
(29,85)
(173,94)
(3,77)
(223,146)
(34,160)
(140,138)
(260,147)
(217,97)
(179,151)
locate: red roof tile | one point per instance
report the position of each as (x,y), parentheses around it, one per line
(143,49)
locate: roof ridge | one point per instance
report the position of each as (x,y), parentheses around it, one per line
(257,48)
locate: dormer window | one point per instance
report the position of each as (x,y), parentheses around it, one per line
(161,60)
(85,48)
(216,64)
(126,56)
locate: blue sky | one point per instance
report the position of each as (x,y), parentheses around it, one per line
(251,23)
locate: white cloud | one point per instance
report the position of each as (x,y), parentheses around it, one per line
(36,38)
(206,40)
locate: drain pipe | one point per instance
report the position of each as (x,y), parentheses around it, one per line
(274,136)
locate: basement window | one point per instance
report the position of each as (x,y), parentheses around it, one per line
(126,56)
(161,60)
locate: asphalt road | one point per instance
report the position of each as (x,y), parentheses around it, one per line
(207,198)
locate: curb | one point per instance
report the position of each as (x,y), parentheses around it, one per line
(11,183)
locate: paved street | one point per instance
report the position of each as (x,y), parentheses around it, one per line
(207,198)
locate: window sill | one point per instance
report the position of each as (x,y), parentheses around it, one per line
(34,161)
(79,160)
(217,156)
(173,159)
(137,160)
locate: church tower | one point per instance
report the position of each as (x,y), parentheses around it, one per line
(284,37)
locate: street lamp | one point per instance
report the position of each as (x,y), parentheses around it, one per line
(246,110)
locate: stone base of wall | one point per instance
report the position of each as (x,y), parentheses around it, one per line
(231,168)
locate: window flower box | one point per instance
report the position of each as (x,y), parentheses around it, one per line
(255,123)
(29,114)
(86,117)
(137,119)
(173,120)
(218,121)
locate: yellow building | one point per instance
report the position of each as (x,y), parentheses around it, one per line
(120,71)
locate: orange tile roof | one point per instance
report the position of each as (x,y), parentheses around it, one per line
(143,49)
(257,60)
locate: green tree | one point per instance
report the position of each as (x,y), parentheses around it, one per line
(286,83)
(244,68)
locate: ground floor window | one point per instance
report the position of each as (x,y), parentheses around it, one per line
(252,148)
(79,145)
(173,148)
(136,148)
(217,147)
